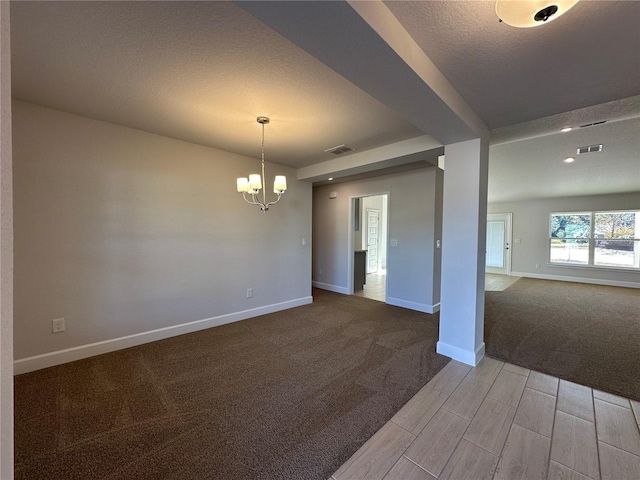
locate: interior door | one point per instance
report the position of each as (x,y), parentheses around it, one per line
(373,234)
(498,254)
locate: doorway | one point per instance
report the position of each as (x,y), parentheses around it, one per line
(370,214)
(498,253)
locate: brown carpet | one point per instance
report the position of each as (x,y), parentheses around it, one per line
(290,395)
(587,334)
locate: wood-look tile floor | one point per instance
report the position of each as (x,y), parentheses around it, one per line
(497,283)
(501,421)
(375,288)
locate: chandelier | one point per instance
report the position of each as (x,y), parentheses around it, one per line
(250,187)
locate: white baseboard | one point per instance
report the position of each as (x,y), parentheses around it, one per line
(51,359)
(331,288)
(593,281)
(420,307)
(465,356)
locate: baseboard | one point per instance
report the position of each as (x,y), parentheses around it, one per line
(420,307)
(51,359)
(593,281)
(331,288)
(465,356)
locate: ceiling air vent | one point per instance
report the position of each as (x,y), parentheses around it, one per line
(590,149)
(340,149)
(592,124)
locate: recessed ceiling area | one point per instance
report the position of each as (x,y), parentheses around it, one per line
(535,168)
(203,71)
(196,71)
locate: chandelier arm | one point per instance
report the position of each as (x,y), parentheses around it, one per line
(276,201)
(251,202)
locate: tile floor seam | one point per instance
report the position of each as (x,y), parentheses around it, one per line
(409,432)
(416,464)
(467,429)
(520,426)
(610,403)
(553,430)
(444,467)
(480,446)
(595,426)
(618,448)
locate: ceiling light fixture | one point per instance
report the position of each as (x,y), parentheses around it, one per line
(330,178)
(531,13)
(566,129)
(253,184)
(569,160)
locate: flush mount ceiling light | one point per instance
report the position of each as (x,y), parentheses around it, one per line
(531,13)
(569,160)
(251,186)
(566,129)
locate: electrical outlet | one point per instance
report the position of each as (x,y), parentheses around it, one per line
(304,242)
(249,292)
(319,271)
(57,325)
(394,242)
(537,265)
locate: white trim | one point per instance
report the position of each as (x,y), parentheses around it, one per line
(595,281)
(420,307)
(50,359)
(331,288)
(465,356)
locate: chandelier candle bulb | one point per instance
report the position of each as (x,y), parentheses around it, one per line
(243,184)
(280,184)
(255,182)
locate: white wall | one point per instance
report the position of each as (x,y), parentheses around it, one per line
(6,252)
(123,232)
(531,226)
(411,280)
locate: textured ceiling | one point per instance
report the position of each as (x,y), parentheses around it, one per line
(202,71)
(196,71)
(510,75)
(534,168)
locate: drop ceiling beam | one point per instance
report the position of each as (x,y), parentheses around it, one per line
(365,43)
(422,148)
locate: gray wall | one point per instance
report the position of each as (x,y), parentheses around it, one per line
(121,232)
(531,226)
(412,278)
(6,252)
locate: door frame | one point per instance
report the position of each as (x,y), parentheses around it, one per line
(508,234)
(350,239)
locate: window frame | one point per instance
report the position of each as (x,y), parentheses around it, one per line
(591,240)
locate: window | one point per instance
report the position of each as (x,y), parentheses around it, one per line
(598,239)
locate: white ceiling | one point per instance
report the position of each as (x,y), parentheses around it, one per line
(510,75)
(534,168)
(196,71)
(202,71)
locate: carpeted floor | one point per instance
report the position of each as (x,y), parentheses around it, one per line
(588,334)
(290,395)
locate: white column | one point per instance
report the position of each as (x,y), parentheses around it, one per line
(463,251)
(6,252)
